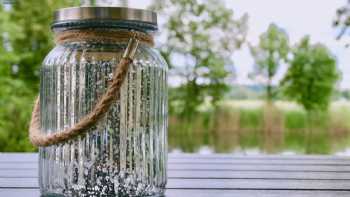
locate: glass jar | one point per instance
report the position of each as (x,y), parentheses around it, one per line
(125,153)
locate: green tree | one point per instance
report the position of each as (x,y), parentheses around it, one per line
(33,38)
(198,41)
(269,54)
(24,41)
(310,81)
(312,76)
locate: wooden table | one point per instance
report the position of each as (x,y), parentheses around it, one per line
(214,175)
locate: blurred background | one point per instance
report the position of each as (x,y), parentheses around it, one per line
(246,76)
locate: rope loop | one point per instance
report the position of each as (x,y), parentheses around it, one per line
(39,138)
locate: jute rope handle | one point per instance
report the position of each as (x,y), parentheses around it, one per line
(39,138)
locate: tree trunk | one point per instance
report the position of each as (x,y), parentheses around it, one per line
(269,91)
(308,133)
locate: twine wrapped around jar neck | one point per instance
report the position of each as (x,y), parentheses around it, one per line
(101,36)
(38,137)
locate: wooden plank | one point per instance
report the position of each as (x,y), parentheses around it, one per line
(19,183)
(29,173)
(217,167)
(264,157)
(253,193)
(206,193)
(19,166)
(19,192)
(259,175)
(252,161)
(33,157)
(18,157)
(263,167)
(249,184)
(258,184)
(200,174)
(215,175)
(247,161)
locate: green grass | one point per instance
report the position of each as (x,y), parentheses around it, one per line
(250,118)
(295,119)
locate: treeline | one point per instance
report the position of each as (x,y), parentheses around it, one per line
(199,44)
(200,40)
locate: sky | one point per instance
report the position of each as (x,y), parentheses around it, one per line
(297,18)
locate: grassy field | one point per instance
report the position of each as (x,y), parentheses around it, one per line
(281,127)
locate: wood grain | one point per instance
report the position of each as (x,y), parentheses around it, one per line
(193,175)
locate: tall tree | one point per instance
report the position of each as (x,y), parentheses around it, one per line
(28,35)
(25,39)
(271,51)
(197,41)
(312,76)
(310,81)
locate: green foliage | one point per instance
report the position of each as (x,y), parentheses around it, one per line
(25,40)
(199,40)
(15,109)
(8,29)
(31,39)
(269,54)
(311,77)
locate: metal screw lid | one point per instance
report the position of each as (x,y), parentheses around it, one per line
(105,13)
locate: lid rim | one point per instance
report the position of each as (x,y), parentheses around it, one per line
(104,13)
(122,24)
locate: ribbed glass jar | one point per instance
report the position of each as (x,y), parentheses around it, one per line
(125,154)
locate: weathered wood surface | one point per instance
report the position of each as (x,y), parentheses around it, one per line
(196,175)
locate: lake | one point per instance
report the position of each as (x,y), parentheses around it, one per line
(251,127)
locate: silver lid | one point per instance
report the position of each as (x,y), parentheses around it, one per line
(107,13)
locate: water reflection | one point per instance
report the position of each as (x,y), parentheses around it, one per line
(263,130)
